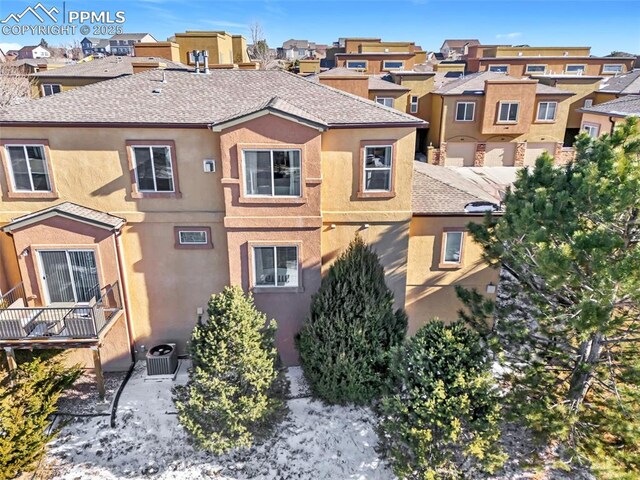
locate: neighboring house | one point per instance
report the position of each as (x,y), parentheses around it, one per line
(33,52)
(492,119)
(614,87)
(442,253)
(34,65)
(49,82)
(374,56)
(123,43)
(95,46)
(299,49)
(521,61)
(223,48)
(143,195)
(604,117)
(457,47)
(11,55)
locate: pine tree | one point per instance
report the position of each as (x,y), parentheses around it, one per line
(234,391)
(441,418)
(569,240)
(345,342)
(28,398)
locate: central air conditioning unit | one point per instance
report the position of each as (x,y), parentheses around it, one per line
(162,359)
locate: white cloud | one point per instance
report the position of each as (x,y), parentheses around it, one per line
(5,47)
(509,35)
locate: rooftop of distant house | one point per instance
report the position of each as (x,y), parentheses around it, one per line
(625,83)
(474,84)
(627,106)
(108,67)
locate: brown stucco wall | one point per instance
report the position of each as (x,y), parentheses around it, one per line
(431,289)
(517,66)
(583,89)
(168,50)
(357,85)
(375,61)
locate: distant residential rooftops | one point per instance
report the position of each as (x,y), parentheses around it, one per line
(625,83)
(627,106)
(130,36)
(474,84)
(459,43)
(178,97)
(108,67)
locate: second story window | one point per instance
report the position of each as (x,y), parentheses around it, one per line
(413,105)
(536,68)
(392,64)
(452,248)
(465,111)
(386,101)
(377,168)
(272,173)
(508,112)
(50,89)
(577,69)
(547,111)
(499,68)
(28,168)
(153,168)
(275,266)
(612,68)
(357,64)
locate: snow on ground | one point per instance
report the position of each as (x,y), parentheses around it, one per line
(314,442)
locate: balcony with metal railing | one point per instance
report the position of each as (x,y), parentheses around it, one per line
(59,320)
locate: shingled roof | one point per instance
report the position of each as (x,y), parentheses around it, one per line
(108,67)
(68,210)
(172,97)
(474,84)
(626,83)
(627,106)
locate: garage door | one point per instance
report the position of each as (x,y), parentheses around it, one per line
(535,149)
(500,155)
(460,154)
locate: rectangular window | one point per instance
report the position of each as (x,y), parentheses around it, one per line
(499,68)
(508,112)
(386,101)
(192,237)
(275,266)
(452,251)
(536,68)
(465,111)
(392,64)
(28,168)
(592,130)
(580,69)
(588,103)
(413,105)
(272,173)
(50,89)
(547,111)
(377,168)
(612,68)
(153,168)
(357,64)
(69,276)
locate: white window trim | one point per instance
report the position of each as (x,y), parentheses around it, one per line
(50,85)
(275,262)
(609,65)
(365,169)
(357,68)
(509,102)
(206,239)
(443,260)
(587,127)
(45,286)
(583,69)
(588,103)
(555,112)
(473,115)
(155,184)
(10,167)
(414,103)
(489,68)
(384,64)
(384,99)
(273,187)
(526,70)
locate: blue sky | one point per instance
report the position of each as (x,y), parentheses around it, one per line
(602,24)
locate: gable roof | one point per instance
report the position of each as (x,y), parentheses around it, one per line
(627,106)
(108,67)
(69,210)
(200,100)
(474,84)
(626,83)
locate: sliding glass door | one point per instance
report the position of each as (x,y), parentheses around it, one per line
(69,276)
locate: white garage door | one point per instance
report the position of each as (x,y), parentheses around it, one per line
(535,149)
(460,154)
(500,155)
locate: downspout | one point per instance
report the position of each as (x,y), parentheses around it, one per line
(441,126)
(125,295)
(613,124)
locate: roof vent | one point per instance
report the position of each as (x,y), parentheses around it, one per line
(156,91)
(481,207)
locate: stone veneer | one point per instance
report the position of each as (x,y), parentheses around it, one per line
(478,158)
(521,150)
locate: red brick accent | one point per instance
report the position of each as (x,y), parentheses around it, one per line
(521,149)
(478,159)
(441,157)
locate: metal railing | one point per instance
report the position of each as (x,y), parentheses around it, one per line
(73,321)
(13,296)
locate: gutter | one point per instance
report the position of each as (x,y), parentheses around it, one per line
(125,294)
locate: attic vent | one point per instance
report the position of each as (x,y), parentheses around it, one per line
(156,91)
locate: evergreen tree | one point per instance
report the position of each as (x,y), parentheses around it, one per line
(234,390)
(28,398)
(441,418)
(569,239)
(345,342)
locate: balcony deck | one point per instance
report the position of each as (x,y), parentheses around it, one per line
(63,324)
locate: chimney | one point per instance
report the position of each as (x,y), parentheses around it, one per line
(205,55)
(196,57)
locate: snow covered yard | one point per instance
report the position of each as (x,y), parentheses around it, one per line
(314,442)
